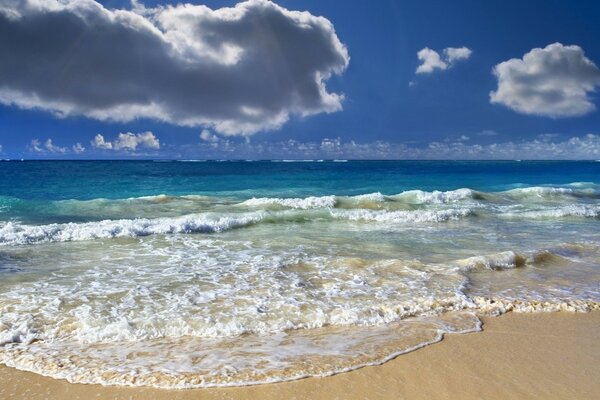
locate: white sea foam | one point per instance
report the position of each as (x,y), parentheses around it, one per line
(13,233)
(547,193)
(573,210)
(305,203)
(376,197)
(499,305)
(192,363)
(403,217)
(411,196)
(435,197)
(179,311)
(298,203)
(540,191)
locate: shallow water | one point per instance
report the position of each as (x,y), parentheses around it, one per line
(213,274)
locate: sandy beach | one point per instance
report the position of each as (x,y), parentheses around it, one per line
(517,356)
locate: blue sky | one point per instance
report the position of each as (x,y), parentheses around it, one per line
(387,109)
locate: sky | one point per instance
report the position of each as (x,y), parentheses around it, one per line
(322,79)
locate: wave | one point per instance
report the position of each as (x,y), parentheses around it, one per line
(549,193)
(540,191)
(417,198)
(417,216)
(497,261)
(511,259)
(13,233)
(195,213)
(575,210)
(410,198)
(367,200)
(437,197)
(297,203)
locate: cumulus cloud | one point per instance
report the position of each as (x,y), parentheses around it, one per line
(457,53)
(47,147)
(53,148)
(36,146)
(78,148)
(127,142)
(100,143)
(206,136)
(236,70)
(555,81)
(131,141)
(431,59)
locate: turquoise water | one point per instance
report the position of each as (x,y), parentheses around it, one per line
(191,274)
(85,180)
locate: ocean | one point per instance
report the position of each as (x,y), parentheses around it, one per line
(224,273)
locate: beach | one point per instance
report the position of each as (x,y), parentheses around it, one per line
(516,356)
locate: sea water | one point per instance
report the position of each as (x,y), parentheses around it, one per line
(193,274)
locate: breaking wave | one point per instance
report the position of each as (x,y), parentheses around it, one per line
(574,210)
(13,233)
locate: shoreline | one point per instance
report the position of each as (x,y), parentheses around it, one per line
(528,356)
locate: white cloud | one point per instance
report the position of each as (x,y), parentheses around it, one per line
(131,141)
(128,142)
(554,81)
(431,59)
(52,148)
(236,70)
(36,146)
(0,148)
(542,147)
(457,53)
(100,143)
(206,136)
(78,148)
(331,145)
(47,147)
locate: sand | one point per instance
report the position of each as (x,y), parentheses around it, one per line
(517,356)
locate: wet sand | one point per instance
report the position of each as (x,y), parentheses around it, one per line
(517,356)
